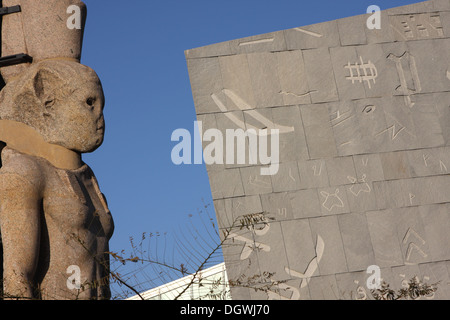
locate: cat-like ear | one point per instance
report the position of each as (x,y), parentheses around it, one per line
(44,84)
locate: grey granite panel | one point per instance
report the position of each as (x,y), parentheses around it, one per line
(352,286)
(224,213)
(226,183)
(340,170)
(333,259)
(411,192)
(403,274)
(269,42)
(368,167)
(436,273)
(395,165)
(236,78)
(320,75)
(232,120)
(364,148)
(292,139)
(443,111)
(417,26)
(305,203)
(445,19)
(431,68)
(206,79)
(208,121)
(241,260)
(254,183)
(271,248)
(313,174)
(334,200)
(277,205)
(412,236)
(287,178)
(351,30)
(427,122)
(213,50)
(346,65)
(292,74)
(324,288)
(324,34)
(263,68)
(441,5)
(288,290)
(373,60)
(357,245)
(319,134)
(383,233)
(429,162)
(241,206)
(359,126)
(360,196)
(300,248)
(436,221)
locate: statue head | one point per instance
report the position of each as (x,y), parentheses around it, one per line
(62,100)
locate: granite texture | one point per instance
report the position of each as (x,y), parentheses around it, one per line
(54,220)
(363,173)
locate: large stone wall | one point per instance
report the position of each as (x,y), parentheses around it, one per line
(363,179)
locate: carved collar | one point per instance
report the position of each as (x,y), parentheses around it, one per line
(25,139)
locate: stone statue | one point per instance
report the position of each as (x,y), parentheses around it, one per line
(53,217)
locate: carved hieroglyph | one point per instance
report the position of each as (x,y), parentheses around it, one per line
(363,177)
(53,216)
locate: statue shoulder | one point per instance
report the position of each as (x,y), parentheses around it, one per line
(24,167)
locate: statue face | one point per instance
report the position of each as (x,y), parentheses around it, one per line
(76,120)
(62,100)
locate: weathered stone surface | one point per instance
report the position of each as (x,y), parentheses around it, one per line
(72,119)
(363,173)
(23,33)
(54,220)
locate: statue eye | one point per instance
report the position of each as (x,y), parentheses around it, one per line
(49,103)
(90,102)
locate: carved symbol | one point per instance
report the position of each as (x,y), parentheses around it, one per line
(425,159)
(241,104)
(403,87)
(277,296)
(344,115)
(332,200)
(312,266)
(412,246)
(362,293)
(247,43)
(368,109)
(254,180)
(411,197)
(298,95)
(357,188)
(250,246)
(365,161)
(396,128)
(418,26)
(448,74)
(395,132)
(282,212)
(364,72)
(443,166)
(317,172)
(314,34)
(291,176)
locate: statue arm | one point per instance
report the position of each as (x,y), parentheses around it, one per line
(20,227)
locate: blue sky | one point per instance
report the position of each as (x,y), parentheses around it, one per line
(137,48)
